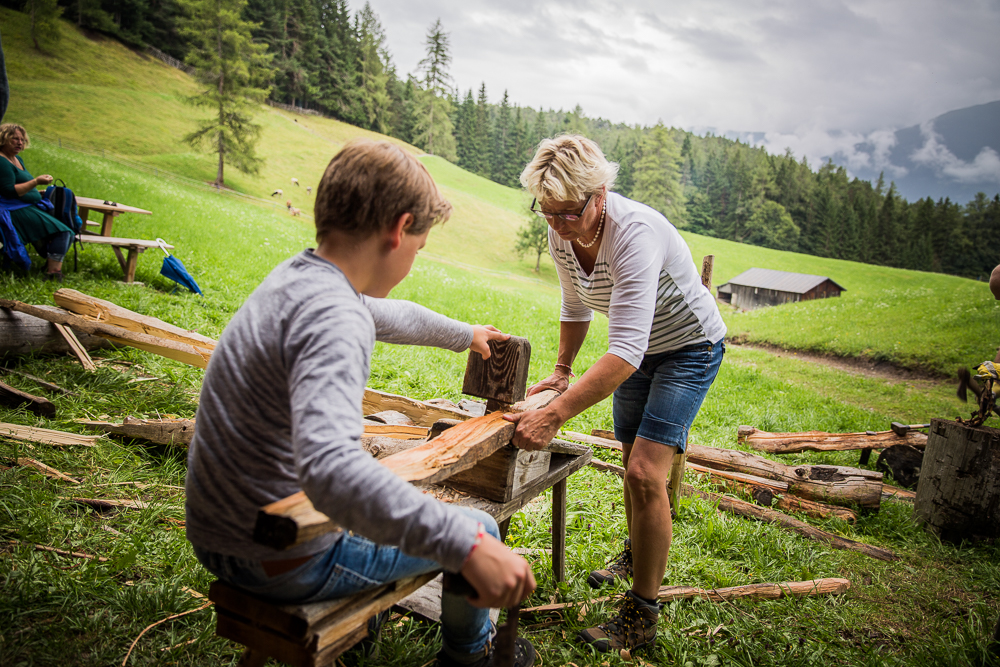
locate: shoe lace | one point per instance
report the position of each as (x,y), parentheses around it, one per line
(626,624)
(622,562)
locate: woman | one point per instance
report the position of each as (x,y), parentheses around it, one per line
(623,259)
(23,204)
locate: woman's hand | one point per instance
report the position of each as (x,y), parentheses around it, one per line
(557,381)
(535,428)
(482,334)
(44,179)
(501,577)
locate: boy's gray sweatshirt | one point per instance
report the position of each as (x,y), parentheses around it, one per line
(280,412)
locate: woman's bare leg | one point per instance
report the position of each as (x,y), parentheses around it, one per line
(647,507)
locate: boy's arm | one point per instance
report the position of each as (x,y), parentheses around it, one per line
(407,323)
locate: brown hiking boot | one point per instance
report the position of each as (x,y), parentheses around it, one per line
(620,567)
(632,628)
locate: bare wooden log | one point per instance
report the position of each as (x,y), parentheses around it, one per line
(293,520)
(835,485)
(751,511)
(15,398)
(46,436)
(161,431)
(183,352)
(422,414)
(821,441)
(99,310)
(830,586)
(21,333)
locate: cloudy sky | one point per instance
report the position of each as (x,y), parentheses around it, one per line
(795,69)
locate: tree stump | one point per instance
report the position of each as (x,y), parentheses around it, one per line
(958,496)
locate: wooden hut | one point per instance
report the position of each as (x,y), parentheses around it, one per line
(758,288)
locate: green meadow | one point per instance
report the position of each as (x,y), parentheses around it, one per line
(937,605)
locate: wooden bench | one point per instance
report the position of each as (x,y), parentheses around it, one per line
(134,247)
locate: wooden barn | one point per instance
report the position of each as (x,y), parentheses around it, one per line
(758,288)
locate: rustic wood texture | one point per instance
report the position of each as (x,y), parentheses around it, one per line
(504,376)
(426,602)
(830,586)
(46,436)
(901,464)
(501,475)
(707,266)
(422,414)
(189,354)
(75,346)
(13,397)
(398,431)
(821,441)
(390,417)
(835,485)
(99,310)
(751,511)
(958,496)
(177,432)
(21,333)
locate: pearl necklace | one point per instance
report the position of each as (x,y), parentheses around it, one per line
(600,225)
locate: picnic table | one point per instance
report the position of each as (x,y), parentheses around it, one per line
(109,210)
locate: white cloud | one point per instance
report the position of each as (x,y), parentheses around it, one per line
(934,154)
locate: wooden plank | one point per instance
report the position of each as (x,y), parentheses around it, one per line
(829,586)
(76,347)
(504,376)
(422,414)
(189,354)
(120,242)
(131,262)
(751,511)
(46,436)
(501,475)
(99,310)
(160,431)
(15,398)
(400,431)
(821,441)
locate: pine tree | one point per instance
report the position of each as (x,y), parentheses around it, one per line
(373,71)
(44,18)
(501,142)
(433,130)
(483,133)
(465,134)
(657,175)
(234,71)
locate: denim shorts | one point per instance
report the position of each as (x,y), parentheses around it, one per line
(661,399)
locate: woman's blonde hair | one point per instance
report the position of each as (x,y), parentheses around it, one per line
(568,168)
(7,130)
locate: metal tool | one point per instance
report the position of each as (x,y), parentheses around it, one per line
(902,429)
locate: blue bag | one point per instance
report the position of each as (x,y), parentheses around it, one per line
(65,211)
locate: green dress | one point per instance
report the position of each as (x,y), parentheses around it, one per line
(31,223)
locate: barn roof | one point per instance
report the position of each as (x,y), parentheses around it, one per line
(782,281)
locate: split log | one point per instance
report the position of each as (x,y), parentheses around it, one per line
(99,310)
(390,417)
(835,485)
(830,586)
(399,431)
(751,511)
(79,351)
(183,352)
(15,398)
(821,441)
(46,436)
(21,333)
(48,471)
(958,496)
(293,520)
(160,431)
(382,447)
(422,414)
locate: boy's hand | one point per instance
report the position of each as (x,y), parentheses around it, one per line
(482,334)
(501,577)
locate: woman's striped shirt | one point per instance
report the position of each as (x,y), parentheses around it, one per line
(644,280)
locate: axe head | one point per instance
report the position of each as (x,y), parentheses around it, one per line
(503,378)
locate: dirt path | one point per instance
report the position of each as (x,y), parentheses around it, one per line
(882,370)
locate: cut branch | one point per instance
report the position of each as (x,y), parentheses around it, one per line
(161,431)
(820,441)
(15,398)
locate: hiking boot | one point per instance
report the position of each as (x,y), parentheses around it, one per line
(619,567)
(633,627)
(524,656)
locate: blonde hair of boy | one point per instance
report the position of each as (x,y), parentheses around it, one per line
(568,168)
(369,184)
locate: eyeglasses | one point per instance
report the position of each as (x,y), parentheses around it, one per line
(568,217)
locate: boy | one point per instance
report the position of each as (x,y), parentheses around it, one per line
(280,412)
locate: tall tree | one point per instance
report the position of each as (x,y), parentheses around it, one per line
(657,175)
(373,71)
(235,72)
(433,130)
(43,15)
(483,133)
(501,142)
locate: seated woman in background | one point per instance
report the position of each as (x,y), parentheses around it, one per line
(19,198)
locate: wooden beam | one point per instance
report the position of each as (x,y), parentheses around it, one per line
(422,414)
(75,346)
(183,352)
(46,436)
(830,586)
(161,431)
(294,520)
(821,441)
(15,398)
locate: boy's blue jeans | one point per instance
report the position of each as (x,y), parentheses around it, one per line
(352,565)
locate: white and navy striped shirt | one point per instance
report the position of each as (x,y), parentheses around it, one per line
(644,280)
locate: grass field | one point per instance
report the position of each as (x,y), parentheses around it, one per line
(936,606)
